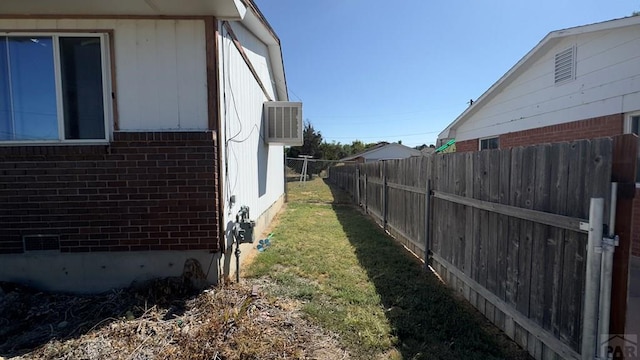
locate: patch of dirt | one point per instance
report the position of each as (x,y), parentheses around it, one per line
(161,319)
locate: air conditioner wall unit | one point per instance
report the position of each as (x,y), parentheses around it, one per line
(283,123)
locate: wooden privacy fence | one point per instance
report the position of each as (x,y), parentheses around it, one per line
(507,228)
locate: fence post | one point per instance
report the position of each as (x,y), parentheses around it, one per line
(592,280)
(358,184)
(366,193)
(384,195)
(625,150)
(286,187)
(606,273)
(427,220)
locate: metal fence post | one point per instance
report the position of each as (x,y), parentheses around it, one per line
(592,280)
(286,187)
(427,224)
(606,273)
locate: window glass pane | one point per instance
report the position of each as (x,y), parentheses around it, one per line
(81,70)
(32,88)
(6,129)
(491,143)
(635,124)
(638,163)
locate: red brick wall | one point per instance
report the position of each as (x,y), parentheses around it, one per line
(584,129)
(467,145)
(144,191)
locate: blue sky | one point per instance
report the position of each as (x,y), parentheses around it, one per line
(403,70)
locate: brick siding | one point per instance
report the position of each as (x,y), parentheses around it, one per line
(467,145)
(603,126)
(143,191)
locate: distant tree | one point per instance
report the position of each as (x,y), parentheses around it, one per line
(315,146)
(370,145)
(332,151)
(635,13)
(357,147)
(312,140)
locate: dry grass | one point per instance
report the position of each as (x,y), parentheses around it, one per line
(221,323)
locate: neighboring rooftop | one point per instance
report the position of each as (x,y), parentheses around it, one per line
(533,55)
(381,152)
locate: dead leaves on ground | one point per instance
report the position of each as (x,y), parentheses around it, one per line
(222,323)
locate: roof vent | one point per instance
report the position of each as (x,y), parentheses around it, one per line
(283,122)
(565,65)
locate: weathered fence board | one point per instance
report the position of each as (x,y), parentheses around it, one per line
(406,199)
(540,234)
(503,222)
(506,228)
(469,216)
(558,175)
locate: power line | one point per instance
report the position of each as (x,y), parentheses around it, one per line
(380,136)
(395,115)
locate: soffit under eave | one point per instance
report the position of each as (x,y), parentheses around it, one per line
(222,9)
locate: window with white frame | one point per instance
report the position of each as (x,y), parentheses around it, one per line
(489,143)
(632,126)
(53,87)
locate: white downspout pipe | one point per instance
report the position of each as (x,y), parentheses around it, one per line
(592,280)
(606,273)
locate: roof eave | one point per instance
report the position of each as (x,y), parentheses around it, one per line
(256,22)
(547,42)
(222,9)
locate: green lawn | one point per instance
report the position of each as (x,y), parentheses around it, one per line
(356,281)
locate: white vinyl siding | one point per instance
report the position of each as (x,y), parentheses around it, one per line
(253,170)
(162,81)
(160,69)
(607,81)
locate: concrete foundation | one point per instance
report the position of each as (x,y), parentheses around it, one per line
(99,271)
(94,272)
(227,263)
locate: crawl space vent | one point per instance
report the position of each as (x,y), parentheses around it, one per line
(41,242)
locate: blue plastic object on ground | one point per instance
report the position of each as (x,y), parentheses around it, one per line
(263,244)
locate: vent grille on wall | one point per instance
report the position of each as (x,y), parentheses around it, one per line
(565,65)
(283,122)
(41,242)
